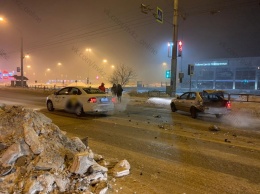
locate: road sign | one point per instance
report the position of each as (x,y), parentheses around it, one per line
(190,69)
(159,15)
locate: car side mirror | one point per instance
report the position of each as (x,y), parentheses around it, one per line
(178,97)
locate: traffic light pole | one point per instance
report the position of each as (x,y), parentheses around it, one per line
(22,60)
(174,50)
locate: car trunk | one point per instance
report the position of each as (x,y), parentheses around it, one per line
(214,102)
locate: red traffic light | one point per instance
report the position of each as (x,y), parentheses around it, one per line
(180,45)
(179,48)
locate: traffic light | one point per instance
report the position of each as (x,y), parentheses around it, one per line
(179,48)
(190,69)
(168,74)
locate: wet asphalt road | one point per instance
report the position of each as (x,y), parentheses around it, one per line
(168,152)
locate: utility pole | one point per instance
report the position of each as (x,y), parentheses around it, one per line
(22,59)
(174,50)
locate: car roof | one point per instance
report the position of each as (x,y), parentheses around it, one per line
(213,91)
(80,87)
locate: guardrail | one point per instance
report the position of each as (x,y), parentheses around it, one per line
(155,93)
(244,97)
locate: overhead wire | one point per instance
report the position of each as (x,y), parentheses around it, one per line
(87,35)
(103,32)
(69,35)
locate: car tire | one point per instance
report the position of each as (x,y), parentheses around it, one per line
(194,112)
(79,110)
(173,107)
(219,116)
(50,105)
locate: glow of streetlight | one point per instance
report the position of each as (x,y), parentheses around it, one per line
(104,60)
(1,19)
(112,66)
(59,64)
(27,56)
(88,50)
(28,66)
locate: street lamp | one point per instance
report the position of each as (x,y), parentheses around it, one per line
(88,51)
(59,65)
(164,71)
(22,56)
(28,67)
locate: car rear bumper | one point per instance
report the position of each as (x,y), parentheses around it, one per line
(101,109)
(215,111)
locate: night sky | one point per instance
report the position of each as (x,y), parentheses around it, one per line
(60,31)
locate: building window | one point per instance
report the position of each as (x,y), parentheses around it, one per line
(224,74)
(224,85)
(245,75)
(205,84)
(245,84)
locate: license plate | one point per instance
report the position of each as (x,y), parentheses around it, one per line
(104,100)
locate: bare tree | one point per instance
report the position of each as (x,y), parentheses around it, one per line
(122,75)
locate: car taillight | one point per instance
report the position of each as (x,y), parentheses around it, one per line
(113,100)
(228,105)
(92,100)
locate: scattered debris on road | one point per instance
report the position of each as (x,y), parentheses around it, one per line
(228,141)
(214,128)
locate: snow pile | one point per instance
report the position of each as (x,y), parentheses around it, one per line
(159,101)
(37,157)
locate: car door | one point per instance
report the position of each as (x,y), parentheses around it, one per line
(190,101)
(180,102)
(61,98)
(72,99)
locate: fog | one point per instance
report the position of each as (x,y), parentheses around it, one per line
(119,32)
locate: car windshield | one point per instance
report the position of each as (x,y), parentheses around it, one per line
(93,91)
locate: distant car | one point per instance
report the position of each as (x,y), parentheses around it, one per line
(207,101)
(80,100)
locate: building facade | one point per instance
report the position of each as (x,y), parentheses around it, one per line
(241,74)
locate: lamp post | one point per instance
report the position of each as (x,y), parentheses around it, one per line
(164,71)
(88,51)
(59,65)
(28,69)
(22,56)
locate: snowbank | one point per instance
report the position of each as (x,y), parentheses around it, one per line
(37,157)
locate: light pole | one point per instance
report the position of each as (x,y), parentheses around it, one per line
(22,56)
(164,71)
(28,69)
(59,65)
(104,65)
(88,51)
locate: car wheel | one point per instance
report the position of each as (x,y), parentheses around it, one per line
(219,116)
(194,112)
(173,107)
(50,106)
(79,110)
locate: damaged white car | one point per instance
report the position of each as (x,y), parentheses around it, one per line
(80,100)
(207,101)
